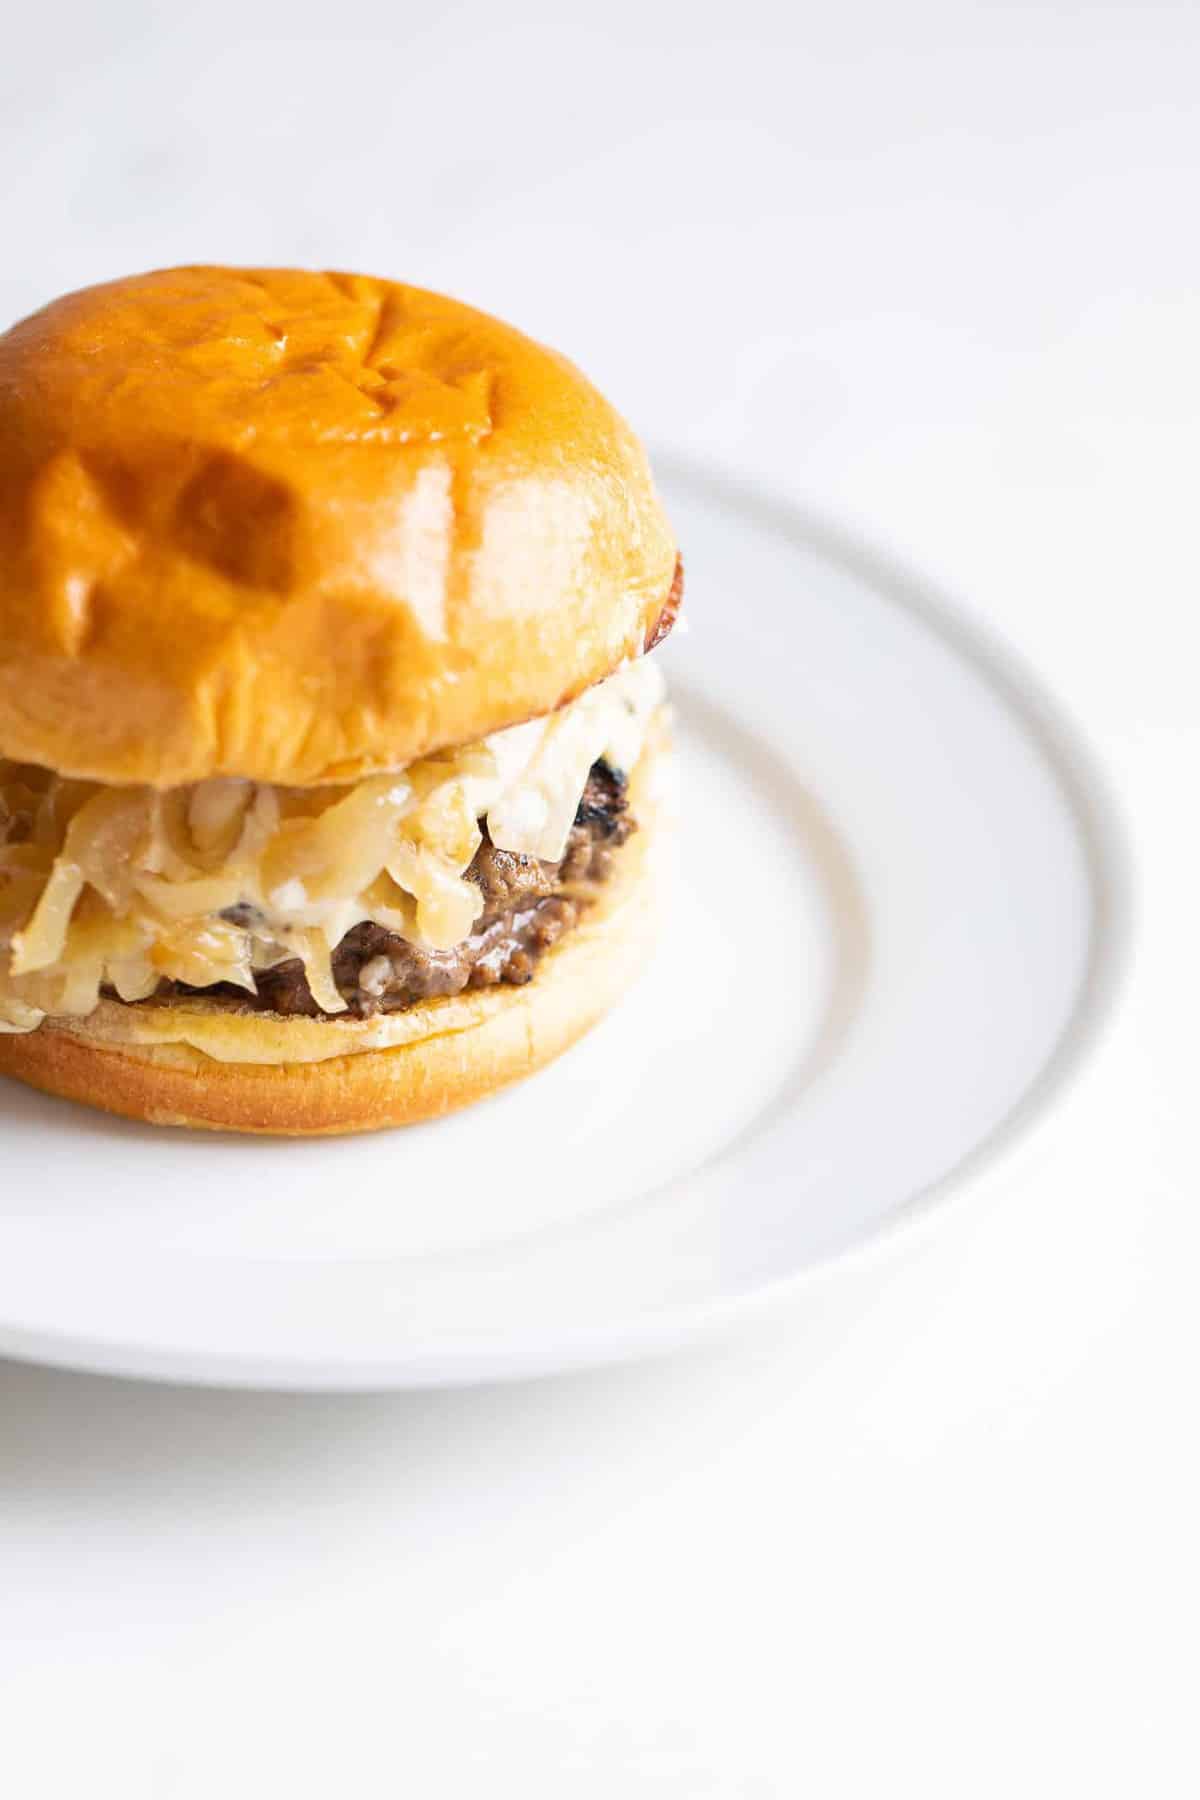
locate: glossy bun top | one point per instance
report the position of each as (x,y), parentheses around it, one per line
(298,526)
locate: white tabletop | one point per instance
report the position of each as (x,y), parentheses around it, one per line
(934,269)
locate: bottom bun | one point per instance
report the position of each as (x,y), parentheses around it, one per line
(203,1064)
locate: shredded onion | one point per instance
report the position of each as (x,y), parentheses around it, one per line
(125,887)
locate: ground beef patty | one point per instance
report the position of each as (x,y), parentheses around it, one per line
(527,906)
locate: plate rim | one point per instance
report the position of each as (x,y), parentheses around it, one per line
(1106,844)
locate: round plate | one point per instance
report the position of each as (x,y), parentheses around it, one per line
(895,925)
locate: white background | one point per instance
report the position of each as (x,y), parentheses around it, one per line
(932,268)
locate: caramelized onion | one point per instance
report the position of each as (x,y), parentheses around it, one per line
(124,887)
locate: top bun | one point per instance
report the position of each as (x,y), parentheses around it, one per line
(298,527)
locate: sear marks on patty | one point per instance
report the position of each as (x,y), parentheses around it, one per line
(527,907)
(376,971)
(602,824)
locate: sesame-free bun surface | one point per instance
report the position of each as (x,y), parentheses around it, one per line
(297,527)
(177,1063)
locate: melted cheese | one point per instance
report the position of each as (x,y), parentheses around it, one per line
(124,887)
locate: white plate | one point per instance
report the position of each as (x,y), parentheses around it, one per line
(896,926)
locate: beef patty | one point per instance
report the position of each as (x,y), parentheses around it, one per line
(527,906)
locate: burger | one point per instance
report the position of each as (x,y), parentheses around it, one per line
(330,748)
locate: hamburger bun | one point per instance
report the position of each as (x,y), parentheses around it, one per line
(300,527)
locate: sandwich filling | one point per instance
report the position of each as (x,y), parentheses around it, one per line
(458,870)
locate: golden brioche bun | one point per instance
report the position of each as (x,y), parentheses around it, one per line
(175,1063)
(298,527)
